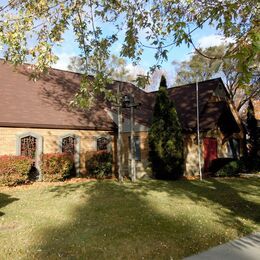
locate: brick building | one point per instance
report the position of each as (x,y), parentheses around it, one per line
(37,115)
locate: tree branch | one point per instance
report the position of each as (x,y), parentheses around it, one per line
(6,6)
(85,49)
(174,42)
(201,53)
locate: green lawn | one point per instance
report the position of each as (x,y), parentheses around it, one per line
(107,220)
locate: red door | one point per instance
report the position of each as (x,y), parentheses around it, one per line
(210,152)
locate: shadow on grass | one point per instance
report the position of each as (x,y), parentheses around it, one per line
(225,193)
(5,200)
(115,221)
(229,196)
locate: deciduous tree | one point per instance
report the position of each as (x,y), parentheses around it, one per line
(116,67)
(29,30)
(201,68)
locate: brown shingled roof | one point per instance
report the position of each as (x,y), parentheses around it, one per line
(45,103)
(184,98)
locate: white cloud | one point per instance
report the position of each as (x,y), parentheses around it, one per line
(213,40)
(63,61)
(134,71)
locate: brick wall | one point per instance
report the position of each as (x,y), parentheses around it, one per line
(191,164)
(51,137)
(51,140)
(140,165)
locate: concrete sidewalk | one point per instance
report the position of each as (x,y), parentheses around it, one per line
(245,248)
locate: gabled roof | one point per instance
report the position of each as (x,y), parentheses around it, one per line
(45,103)
(184,98)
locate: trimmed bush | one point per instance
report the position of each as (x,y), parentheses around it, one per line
(56,166)
(219,163)
(230,169)
(100,165)
(256,164)
(14,169)
(244,165)
(253,163)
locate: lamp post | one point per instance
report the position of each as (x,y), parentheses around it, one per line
(119,160)
(128,102)
(119,139)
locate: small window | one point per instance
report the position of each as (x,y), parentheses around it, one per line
(234,148)
(68,145)
(28,146)
(137,149)
(102,143)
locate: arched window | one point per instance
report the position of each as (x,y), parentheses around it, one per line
(68,144)
(102,143)
(28,146)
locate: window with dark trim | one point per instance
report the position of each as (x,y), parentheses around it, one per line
(28,146)
(137,149)
(102,143)
(234,148)
(68,144)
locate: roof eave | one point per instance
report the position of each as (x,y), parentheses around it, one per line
(52,126)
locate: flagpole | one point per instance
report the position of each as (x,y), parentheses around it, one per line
(119,138)
(198,128)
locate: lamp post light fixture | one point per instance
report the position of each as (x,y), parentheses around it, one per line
(127,101)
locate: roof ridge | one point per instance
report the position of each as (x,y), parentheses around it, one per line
(189,84)
(31,64)
(119,81)
(71,72)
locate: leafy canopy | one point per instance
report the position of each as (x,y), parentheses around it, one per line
(201,68)
(29,30)
(116,67)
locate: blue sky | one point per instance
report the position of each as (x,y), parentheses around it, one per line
(205,37)
(69,47)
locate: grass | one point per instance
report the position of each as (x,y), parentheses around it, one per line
(143,220)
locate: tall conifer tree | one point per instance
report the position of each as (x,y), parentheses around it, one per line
(165,138)
(252,131)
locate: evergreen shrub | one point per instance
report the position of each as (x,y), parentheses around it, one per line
(165,138)
(230,169)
